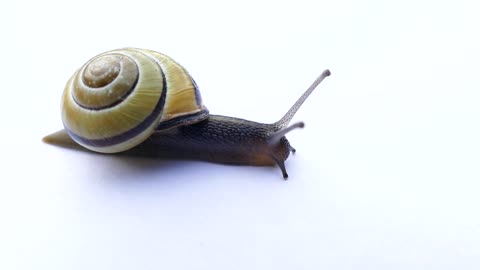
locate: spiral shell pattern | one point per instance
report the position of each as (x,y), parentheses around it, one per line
(119,98)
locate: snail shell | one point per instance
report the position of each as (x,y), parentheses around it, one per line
(119,98)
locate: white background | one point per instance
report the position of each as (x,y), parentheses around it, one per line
(387,172)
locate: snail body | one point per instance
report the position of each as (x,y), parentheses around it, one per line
(154,109)
(219,139)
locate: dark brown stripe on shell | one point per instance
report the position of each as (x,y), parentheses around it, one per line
(120,138)
(198,97)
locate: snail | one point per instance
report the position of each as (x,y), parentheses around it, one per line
(142,103)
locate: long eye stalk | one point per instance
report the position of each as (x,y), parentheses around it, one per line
(282,123)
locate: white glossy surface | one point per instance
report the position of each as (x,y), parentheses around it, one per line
(387,172)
